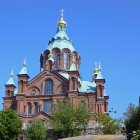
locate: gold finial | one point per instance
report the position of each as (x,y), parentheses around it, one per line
(97,68)
(12,73)
(61,22)
(95,64)
(24,63)
(51,54)
(62,14)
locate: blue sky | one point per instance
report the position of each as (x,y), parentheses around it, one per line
(101,30)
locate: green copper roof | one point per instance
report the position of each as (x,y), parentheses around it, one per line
(24,68)
(61,40)
(87,87)
(64,75)
(11,79)
(73,67)
(99,75)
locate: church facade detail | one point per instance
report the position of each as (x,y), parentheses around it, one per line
(59,77)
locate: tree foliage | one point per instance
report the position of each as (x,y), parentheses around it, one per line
(132,122)
(10,125)
(107,124)
(69,120)
(136,135)
(37,130)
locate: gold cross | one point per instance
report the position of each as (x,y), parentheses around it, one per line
(62,13)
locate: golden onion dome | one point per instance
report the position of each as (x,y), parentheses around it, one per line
(96,70)
(62,23)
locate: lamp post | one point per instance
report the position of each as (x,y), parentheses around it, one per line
(113,111)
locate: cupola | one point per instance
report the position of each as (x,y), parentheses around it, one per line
(60,50)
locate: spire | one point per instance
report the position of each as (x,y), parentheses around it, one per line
(62,22)
(24,68)
(11,79)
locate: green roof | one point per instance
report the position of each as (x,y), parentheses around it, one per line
(61,40)
(87,87)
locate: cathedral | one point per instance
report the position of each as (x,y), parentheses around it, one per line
(59,77)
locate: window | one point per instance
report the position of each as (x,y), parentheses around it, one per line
(22,86)
(29,108)
(8,93)
(47,106)
(36,107)
(83,102)
(33,92)
(48,87)
(65,60)
(56,59)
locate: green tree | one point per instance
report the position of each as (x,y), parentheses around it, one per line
(136,135)
(106,124)
(132,122)
(69,120)
(37,130)
(10,125)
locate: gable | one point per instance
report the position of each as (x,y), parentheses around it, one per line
(37,84)
(42,116)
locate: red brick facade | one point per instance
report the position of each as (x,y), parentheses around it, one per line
(56,80)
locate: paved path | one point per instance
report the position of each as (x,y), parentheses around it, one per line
(80,138)
(101,137)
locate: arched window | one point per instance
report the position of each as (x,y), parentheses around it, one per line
(69,61)
(82,102)
(48,87)
(65,61)
(33,92)
(8,93)
(56,59)
(22,86)
(29,108)
(36,107)
(47,106)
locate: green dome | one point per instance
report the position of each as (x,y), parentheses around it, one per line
(61,40)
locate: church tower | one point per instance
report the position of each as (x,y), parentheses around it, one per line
(61,49)
(9,99)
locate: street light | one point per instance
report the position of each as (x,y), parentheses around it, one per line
(113,111)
